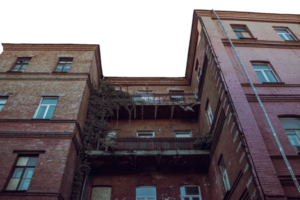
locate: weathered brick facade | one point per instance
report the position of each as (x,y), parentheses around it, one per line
(242,141)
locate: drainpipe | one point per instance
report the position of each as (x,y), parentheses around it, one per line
(83,186)
(265,113)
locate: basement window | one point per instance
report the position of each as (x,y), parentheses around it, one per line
(183,134)
(145,193)
(64,64)
(190,192)
(145,134)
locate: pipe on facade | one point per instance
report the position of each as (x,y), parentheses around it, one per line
(83,186)
(236,119)
(264,111)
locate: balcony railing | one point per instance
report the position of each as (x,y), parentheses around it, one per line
(164,98)
(127,144)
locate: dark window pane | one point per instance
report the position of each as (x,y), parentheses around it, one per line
(49,101)
(195,198)
(281,31)
(41,112)
(17,66)
(260,67)
(282,37)
(26,61)
(24,184)
(145,191)
(238,35)
(32,161)
(50,112)
(17,173)
(191,190)
(28,173)
(67,67)
(290,123)
(239,29)
(289,37)
(261,76)
(270,76)
(59,68)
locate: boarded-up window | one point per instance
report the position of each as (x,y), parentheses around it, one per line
(101,193)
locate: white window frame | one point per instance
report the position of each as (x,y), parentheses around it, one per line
(187,134)
(293,132)
(145,132)
(145,197)
(190,196)
(42,105)
(263,72)
(284,34)
(224,175)
(210,113)
(2,103)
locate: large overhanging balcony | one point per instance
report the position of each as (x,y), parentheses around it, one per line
(140,153)
(162,106)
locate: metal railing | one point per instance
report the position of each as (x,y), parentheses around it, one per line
(164,98)
(127,144)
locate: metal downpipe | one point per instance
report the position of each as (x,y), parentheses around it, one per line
(265,113)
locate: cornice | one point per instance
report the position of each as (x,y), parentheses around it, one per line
(27,134)
(32,193)
(277,84)
(250,16)
(49,47)
(253,42)
(273,98)
(38,120)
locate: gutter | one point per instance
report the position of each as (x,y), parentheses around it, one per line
(264,111)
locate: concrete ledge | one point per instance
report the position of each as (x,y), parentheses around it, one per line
(148,153)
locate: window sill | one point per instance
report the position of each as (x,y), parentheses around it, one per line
(14,72)
(247,39)
(272,83)
(59,72)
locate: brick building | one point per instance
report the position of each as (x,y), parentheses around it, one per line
(45,91)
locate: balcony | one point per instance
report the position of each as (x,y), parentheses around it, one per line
(162,106)
(133,153)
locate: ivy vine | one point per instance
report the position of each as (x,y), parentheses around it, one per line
(103,104)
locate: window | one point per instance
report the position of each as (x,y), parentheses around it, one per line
(145,134)
(264,73)
(190,193)
(292,129)
(197,68)
(21,64)
(209,113)
(241,32)
(224,174)
(183,134)
(46,108)
(2,103)
(177,95)
(144,95)
(101,193)
(22,173)
(146,193)
(285,34)
(64,65)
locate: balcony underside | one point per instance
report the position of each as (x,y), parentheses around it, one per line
(161,111)
(135,160)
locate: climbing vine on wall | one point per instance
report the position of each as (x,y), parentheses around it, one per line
(102,105)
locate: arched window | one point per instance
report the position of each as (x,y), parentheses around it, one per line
(292,129)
